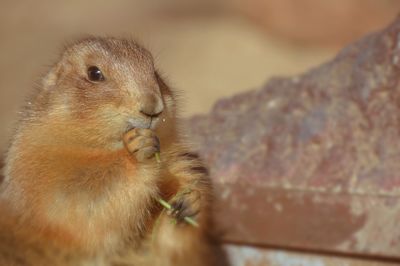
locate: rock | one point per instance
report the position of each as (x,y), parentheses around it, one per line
(324,146)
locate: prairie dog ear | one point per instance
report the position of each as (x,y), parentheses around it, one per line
(49,81)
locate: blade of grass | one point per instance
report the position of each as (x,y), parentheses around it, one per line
(168,206)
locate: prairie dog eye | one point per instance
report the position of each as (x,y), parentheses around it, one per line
(94,74)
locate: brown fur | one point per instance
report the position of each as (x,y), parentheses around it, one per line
(76,192)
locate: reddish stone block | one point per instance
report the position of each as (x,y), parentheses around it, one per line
(313,161)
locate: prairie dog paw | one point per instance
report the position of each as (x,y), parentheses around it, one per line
(142,143)
(184,205)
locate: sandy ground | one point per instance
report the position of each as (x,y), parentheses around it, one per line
(205,50)
(252,256)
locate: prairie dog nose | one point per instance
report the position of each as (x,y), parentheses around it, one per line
(151,105)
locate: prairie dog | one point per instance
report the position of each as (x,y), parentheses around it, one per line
(81,180)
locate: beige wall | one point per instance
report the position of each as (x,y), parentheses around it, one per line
(206,50)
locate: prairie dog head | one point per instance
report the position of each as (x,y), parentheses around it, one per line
(107,86)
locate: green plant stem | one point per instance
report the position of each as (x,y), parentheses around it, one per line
(158,159)
(168,206)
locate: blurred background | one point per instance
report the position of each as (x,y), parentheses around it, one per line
(207,49)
